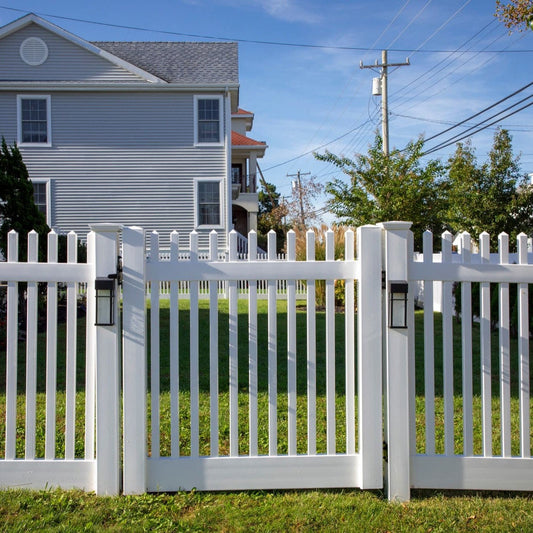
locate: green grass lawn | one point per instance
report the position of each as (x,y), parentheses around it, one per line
(349,510)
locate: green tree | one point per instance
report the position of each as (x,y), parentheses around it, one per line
(17,209)
(493,197)
(515,14)
(464,191)
(272,213)
(394,187)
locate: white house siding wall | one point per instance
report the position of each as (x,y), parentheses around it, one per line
(125,157)
(64,59)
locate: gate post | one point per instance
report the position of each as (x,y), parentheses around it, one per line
(396,240)
(134,361)
(369,349)
(107,368)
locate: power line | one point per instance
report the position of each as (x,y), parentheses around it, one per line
(317,148)
(443,25)
(457,50)
(452,139)
(408,25)
(248,41)
(514,127)
(445,144)
(448,74)
(391,22)
(348,82)
(480,112)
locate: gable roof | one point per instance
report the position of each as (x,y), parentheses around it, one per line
(180,62)
(32,18)
(193,63)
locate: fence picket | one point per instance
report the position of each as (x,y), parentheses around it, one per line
(11,351)
(311,349)
(349,329)
(194,354)
(252,349)
(51,354)
(523,353)
(486,374)
(291,346)
(174,352)
(31,350)
(213,348)
(330,350)
(447,348)
(466,334)
(70,410)
(429,349)
(233,354)
(505,361)
(272,354)
(154,352)
(90,358)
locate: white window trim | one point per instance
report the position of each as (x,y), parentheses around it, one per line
(197,224)
(220,98)
(48,99)
(48,203)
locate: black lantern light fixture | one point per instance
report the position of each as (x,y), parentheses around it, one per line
(398,291)
(105,301)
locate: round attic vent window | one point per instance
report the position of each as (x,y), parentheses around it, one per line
(34,51)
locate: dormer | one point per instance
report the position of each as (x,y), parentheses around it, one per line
(242,121)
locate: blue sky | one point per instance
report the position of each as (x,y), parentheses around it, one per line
(304,97)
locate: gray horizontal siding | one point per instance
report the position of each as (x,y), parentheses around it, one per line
(127,158)
(64,59)
(154,204)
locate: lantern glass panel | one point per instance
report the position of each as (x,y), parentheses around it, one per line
(398,305)
(104,302)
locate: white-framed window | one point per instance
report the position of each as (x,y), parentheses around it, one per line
(34,120)
(209,203)
(41,197)
(208,120)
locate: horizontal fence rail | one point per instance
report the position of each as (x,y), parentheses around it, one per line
(204,291)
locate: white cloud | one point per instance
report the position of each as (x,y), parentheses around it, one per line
(288,10)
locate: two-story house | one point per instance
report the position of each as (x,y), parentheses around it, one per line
(136,133)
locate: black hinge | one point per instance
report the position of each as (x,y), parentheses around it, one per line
(118,275)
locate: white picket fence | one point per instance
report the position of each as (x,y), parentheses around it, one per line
(453,458)
(476,428)
(37,459)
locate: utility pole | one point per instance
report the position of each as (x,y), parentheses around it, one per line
(300,194)
(384,94)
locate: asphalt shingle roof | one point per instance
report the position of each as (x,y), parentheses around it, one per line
(180,62)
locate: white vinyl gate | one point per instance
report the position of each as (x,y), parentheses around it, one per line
(253,434)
